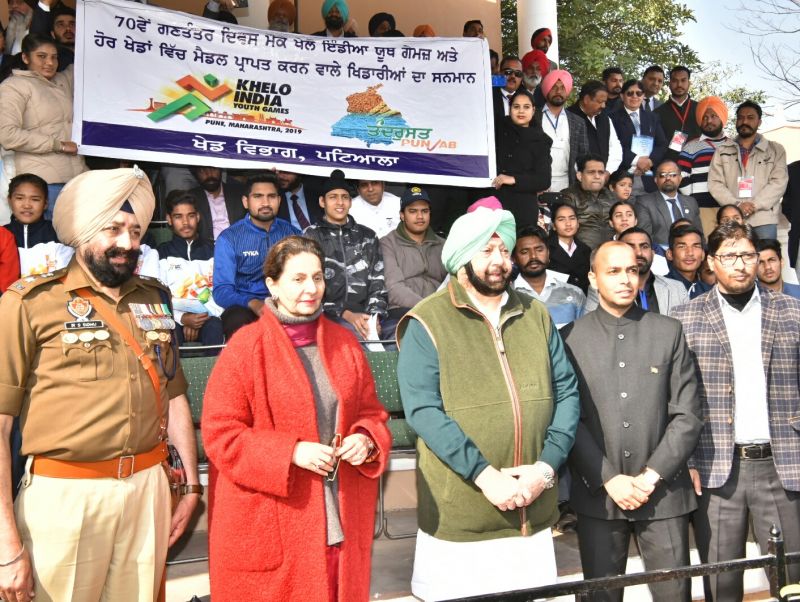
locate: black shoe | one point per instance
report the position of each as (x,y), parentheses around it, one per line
(568,519)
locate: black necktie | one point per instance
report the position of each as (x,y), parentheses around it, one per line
(298,213)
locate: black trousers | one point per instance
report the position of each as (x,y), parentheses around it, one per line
(753,493)
(663,544)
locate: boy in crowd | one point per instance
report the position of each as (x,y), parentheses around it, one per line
(412,254)
(355,291)
(686,253)
(186,266)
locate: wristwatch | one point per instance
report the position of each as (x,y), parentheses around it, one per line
(186,489)
(548,473)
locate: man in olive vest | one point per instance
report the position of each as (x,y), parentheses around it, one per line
(487,386)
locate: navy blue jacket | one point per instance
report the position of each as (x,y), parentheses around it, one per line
(239,257)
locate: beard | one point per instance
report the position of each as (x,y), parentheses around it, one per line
(485,288)
(107,273)
(17,27)
(712,133)
(530,270)
(334,23)
(745,131)
(531,82)
(644,266)
(280,25)
(210,184)
(264,217)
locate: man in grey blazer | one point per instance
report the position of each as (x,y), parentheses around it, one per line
(746,468)
(655,293)
(640,421)
(658,210)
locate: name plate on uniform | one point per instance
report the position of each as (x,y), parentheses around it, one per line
(84,324)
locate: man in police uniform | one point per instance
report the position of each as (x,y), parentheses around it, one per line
(92,519)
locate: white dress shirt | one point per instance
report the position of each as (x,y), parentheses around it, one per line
(382,218)
(557,127)
(751,417)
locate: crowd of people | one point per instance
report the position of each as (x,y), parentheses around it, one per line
(600,340)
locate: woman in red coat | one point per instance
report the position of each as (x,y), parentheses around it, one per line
(296,439)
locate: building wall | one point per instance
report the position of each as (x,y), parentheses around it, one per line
(447,17)
(789,137)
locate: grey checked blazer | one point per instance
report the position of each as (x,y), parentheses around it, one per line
(704,328)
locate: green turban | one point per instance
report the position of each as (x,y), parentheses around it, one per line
(472,231)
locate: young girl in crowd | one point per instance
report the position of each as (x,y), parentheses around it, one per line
(36,117)
(621,216)
(568,255)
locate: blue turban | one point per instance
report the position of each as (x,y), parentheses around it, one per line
(470,233)
(327,5)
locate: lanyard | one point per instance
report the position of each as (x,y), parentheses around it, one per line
(555,125)
(685,111)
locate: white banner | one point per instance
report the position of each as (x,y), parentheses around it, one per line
(164,86)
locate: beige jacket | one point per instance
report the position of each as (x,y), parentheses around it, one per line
(36,117)
(767,165)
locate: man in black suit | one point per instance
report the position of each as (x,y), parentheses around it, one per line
(300,204)
(511,69)
(652,82)
(658,210)
(677,115)
(631,122)
(640,422)
(218,205)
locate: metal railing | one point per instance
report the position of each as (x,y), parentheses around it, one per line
(774,561)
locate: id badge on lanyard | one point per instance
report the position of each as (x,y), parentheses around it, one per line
(745,186)
(678,140)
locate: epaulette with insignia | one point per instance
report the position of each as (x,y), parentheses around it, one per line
(152,281)
(23,286)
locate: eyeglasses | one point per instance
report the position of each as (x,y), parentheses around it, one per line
(729,259)
(336,443)
(634,93)
(514,72)
(667,174)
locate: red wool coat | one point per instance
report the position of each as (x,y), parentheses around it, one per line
(267,530)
